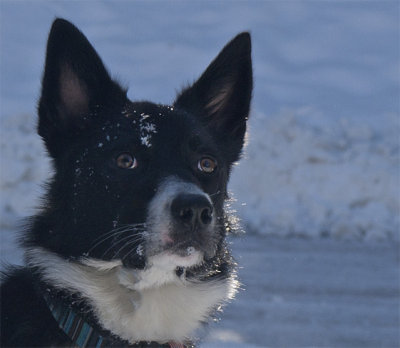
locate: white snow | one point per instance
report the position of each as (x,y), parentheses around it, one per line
(303,177)
(322,160)
(23,166)
(146,130)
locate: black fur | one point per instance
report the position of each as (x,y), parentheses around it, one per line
(86,121)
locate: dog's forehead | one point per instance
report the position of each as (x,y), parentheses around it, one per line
(151,124)
(144,114)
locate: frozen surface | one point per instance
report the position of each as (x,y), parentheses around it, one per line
(319,293)
(322,159)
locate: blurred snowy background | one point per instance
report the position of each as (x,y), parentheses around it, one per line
(321,167)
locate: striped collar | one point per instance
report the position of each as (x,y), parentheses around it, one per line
(83,335)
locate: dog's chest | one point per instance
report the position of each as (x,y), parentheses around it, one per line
(136,306)
(171,311)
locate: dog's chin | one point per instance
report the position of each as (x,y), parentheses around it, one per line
(183,258)
(170,259)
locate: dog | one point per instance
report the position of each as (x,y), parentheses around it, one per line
(128,247)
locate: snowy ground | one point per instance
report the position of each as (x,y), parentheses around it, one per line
(322,163)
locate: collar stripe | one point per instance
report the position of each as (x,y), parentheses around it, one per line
(82,334)
(79,331)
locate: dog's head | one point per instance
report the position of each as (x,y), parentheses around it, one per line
(135,180)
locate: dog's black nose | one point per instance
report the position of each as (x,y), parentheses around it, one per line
(193,210)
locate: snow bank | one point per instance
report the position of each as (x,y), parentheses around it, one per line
(306,172)
(308,176)
(301,175)
(23,167)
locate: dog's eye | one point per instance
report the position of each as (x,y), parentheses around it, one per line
(207,164)
(126,161)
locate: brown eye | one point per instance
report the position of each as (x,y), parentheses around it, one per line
(207,165)
(126,161)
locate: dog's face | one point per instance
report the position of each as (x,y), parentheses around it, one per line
(138,180)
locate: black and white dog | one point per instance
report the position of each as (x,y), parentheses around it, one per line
(129,246)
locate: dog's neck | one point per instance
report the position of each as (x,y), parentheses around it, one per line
(132,305)
(83,334)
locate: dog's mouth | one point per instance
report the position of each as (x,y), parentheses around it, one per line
(134,251)
(158,266)
(182,254)
(184,248)
(172,258)
(184,251)
(184,258)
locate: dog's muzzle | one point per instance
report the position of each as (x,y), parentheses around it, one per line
(181,219)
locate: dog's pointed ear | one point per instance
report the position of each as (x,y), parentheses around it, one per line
(74,82)
(221,96)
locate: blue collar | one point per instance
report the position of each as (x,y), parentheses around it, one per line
(83,335)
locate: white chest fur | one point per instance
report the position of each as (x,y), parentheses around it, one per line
(133,306)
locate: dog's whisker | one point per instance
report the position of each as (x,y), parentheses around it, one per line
(106,237)
(216,193)
(141,224)
(115,230)
(134,238)
(112,234)
(128,254)
(126,245)
(129,227)
(130,240)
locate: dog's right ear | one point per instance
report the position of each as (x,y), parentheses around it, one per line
(220,98)
(75,82)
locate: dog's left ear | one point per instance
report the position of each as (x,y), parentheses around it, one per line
(221,96)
